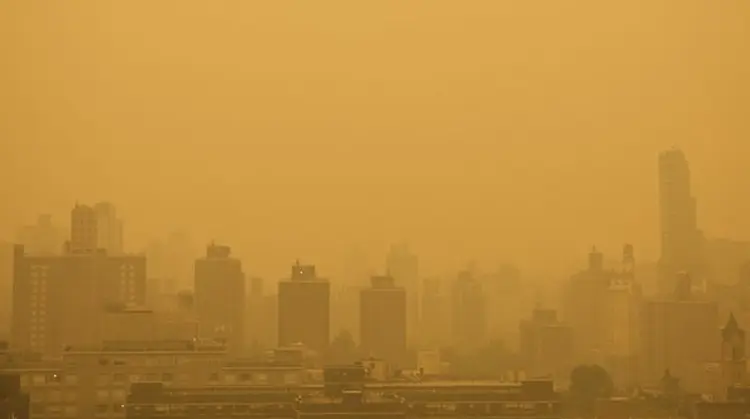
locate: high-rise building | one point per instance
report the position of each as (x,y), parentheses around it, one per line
(586,299)
(84,230)
(109,228)
(680,237)
(220,297)
(403,266)
(679,334)
(304,310)
(383,320)
(95,228)
(469,311)
(6,288)
(546,345)
(58,301)
(733,357)
(435,314)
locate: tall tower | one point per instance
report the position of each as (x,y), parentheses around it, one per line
(84,232)
(383,320)
(304,311)
(680,237)
(220,297)
(403,266)
(733,362)
(469,323)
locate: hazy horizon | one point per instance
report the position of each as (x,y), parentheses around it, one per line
(303,130)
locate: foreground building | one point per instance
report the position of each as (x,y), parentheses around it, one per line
(383,320)
(58,301)
(304,310)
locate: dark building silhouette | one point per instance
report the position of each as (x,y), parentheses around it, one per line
(383,320)
(469,316)
(58,300)
(546,346)
(403,266)
(220,297)
(304,309)
(14,403)
(679,334)
(733,357)
(680,237)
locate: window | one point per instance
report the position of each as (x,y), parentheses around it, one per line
(120,378)
(101,409)
(70,379)
(167,377)
(38,379)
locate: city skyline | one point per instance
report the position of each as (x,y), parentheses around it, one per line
(373,132)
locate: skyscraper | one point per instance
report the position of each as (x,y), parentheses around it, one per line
(109,228)
(304,310)
(383,320)
(94,228)
(469,311)
(680,237)
(58,301)
(220,297)
(403,266)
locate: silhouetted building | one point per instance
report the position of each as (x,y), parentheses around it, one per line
(403,266)
(679,335)
(469,315)
(547,346)
(733,357)
(435,314)
(680,237)
(14,403)
(586,308)
(383,320)
(304,309)
(220,297)
(84,230)
(6,288)
(108,228)
(59,300)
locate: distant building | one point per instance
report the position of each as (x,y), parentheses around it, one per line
(586,308)
(304,310)
(6,289)
(96,228)
(733,357)
(435,314)
(679,335)
(58,301)
(469,312)
(383,320)
(108,228)
(220,297)
(403,266)
(547,346)
(680,237)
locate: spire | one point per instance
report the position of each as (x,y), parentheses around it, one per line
(731,328)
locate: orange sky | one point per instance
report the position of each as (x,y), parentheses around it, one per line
(492,130)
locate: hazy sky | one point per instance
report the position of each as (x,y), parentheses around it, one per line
(492,130)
